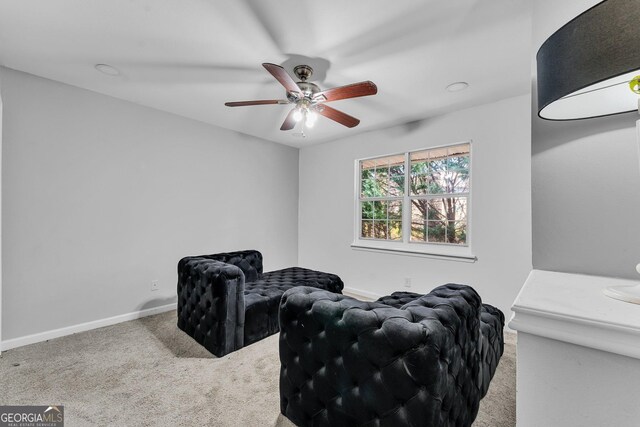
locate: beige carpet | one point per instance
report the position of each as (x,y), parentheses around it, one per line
(148,373)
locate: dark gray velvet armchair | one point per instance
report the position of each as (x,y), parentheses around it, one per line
(404,360)
(226,301)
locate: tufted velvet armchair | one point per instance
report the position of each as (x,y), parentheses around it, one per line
(226,301)
(404,360)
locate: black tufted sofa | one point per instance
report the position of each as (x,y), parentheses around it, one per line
(404,360)
(226,302)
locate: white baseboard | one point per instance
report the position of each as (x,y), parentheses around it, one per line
(360,294)
(82,327)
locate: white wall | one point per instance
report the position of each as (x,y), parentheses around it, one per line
(501,134)
(1,120)
(101,196)
(585,179)
(567,385)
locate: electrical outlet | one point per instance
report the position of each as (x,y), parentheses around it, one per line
(154,285)
(407,282)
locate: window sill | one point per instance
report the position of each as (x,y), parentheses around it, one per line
(428,253)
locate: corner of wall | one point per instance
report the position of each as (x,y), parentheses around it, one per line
(298,204)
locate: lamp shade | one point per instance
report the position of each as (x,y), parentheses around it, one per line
(585,67)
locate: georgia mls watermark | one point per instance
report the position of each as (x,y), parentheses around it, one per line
(32,416)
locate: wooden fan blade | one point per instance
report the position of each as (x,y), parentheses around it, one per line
(260,102)
(282,76)
(337,116)
(289,123)
(349,91)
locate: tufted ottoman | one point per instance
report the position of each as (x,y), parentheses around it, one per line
(404,360)
(226,302)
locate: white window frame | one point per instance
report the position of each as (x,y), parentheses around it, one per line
(449,251)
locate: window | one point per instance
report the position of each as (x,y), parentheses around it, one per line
(415,200)
(381,193)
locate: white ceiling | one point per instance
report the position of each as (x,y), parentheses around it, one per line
(190,56)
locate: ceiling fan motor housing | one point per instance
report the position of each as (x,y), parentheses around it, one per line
(308,89)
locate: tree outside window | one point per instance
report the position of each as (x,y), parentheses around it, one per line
(433,184)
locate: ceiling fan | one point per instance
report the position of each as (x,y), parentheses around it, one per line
(309,100)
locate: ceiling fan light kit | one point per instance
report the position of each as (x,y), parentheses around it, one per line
(309,99)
